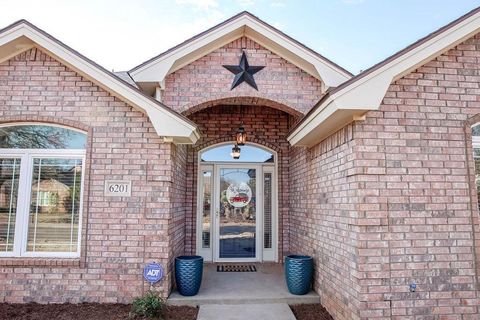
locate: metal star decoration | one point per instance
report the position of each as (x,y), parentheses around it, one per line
(244,72)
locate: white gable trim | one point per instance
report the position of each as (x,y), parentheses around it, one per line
(167,123)
(247,25)
(366,91)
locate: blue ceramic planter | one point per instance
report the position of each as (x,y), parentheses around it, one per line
(298,273)
(188,274)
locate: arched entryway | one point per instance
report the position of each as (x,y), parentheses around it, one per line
(237,204)
(267,128)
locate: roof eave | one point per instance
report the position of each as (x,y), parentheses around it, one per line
(177,126)
(244,24)
(365,92)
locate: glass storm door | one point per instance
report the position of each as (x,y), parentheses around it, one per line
(236,213)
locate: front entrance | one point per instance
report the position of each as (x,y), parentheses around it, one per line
(236,219)
(237,208)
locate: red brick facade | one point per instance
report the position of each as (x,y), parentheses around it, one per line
(280,82)
(323,214)
(396,204)
(119,235)
(380,204)
(417,182)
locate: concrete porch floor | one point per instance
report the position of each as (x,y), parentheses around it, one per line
(267,285)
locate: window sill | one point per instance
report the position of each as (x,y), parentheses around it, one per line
(39,262)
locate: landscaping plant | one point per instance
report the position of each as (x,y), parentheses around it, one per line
(150,305)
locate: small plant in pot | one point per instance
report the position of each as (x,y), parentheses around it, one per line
(299,273)
(188,274)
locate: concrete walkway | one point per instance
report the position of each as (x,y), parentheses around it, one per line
(276,311)
(266,286)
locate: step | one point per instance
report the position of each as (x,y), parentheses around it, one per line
(275,311)
(265,286)
(229,298)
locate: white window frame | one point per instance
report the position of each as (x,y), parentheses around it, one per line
(206,253)
(475,145)
(270,254)
(476,142)
(27,157)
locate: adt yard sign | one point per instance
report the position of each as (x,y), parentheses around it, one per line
(153,272)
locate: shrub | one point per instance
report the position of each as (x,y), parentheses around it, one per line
(149,305)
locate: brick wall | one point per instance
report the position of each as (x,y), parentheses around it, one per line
(265,126)
(413,214)
(119,234)
(415,174)
(206,80)
(177,223)
(323,218)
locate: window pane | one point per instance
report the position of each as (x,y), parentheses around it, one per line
(267,210)
(41,137)
(9,174)
(207,205)
(476,131)
(54,205)
(476,156)
(247,154)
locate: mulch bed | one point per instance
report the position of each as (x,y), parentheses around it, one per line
(310,312)
(97,311)
(84,311)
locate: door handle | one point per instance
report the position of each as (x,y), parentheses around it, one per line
(216,213)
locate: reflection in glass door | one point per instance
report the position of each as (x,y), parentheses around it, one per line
(237,213)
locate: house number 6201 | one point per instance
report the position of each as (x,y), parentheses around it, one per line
(118,188)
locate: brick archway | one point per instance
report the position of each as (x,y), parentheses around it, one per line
(230,99)
(267,125)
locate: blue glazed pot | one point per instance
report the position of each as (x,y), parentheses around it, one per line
(298,273)
(188,274)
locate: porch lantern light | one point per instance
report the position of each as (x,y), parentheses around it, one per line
(235,152)
(241,136)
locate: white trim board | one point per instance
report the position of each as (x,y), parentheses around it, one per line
(22,36)
(366,91)
(243,24)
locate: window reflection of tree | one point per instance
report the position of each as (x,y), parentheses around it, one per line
(34,137)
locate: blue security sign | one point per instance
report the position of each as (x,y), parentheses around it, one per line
(153,272)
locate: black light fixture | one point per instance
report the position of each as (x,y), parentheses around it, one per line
(241,136)
(235,152)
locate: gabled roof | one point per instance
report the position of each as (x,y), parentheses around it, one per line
(22,36)
(364,92)
(242,24)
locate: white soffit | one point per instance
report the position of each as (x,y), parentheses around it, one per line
(244,24)
(22,36)
(366,91)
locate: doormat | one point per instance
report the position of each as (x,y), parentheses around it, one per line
(236,268)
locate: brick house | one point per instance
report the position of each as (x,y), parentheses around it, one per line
(374,175)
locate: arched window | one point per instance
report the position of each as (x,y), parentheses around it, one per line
(41,175)
(248,153)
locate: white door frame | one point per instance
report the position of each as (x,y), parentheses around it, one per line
(212,252)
